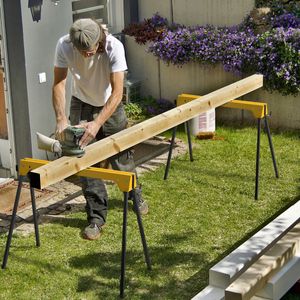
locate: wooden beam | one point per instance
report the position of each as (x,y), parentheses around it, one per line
(257,275)
(101,150)
(235,263)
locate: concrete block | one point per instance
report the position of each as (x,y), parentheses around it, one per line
(229,268)
(210,293)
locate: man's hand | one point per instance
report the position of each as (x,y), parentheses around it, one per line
(91,130)
(60,127)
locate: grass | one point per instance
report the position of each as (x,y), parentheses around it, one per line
(200,214)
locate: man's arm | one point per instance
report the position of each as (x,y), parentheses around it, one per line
(92,128)
(59,99)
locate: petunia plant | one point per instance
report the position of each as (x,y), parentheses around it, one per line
(274,53)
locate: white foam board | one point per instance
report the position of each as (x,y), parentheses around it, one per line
(210,293)
(229,268)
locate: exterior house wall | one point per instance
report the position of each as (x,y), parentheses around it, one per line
(40,40)
(19,114)
(30,48)
(160,80)
(195,12)
(216,12)
(148,8)
(30,51)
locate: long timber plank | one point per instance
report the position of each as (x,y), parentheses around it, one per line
(228,269)
(66,166)
(257,275)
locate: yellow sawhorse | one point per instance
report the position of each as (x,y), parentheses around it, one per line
(126,182)
(258,109)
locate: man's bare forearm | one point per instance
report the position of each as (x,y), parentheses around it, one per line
(59,101)
(108,109)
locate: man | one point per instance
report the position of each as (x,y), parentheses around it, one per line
(97,63)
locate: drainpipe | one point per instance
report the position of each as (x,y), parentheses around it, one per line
(131,12)
(172,11)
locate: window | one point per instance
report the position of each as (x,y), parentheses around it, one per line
(109,12)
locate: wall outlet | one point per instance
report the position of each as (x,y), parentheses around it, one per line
(42,77)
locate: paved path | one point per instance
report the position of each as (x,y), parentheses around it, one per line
(67,194)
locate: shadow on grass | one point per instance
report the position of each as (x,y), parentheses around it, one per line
(66,221)
(98,273)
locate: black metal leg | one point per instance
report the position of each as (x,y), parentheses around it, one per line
(35,219)
(189,140)
(257,158)
(170,153)
(139,219)
(12,222)
(271,146)
(123,258)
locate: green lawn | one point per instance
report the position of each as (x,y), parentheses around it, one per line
(200,214)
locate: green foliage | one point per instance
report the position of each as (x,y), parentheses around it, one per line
(134,111)
(202,212)
(146,107)
(278,59)
(280,6)
(152,106)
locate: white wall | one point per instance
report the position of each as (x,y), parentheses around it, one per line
(215,12)
(149,7)
(197,12)
(143,66)
(39,44)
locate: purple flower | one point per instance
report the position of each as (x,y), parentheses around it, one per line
(286,20)
(275,53)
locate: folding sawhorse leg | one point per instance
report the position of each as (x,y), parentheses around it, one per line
(267,129)
(126,182)
(13,219)
(124,236)
(172,145)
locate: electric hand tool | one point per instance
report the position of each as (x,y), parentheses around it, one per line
(67,146)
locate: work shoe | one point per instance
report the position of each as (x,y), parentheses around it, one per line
(143,206)
(92,232)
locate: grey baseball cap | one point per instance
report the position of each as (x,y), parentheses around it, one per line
(85,34)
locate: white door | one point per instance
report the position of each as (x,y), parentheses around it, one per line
(7,153)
